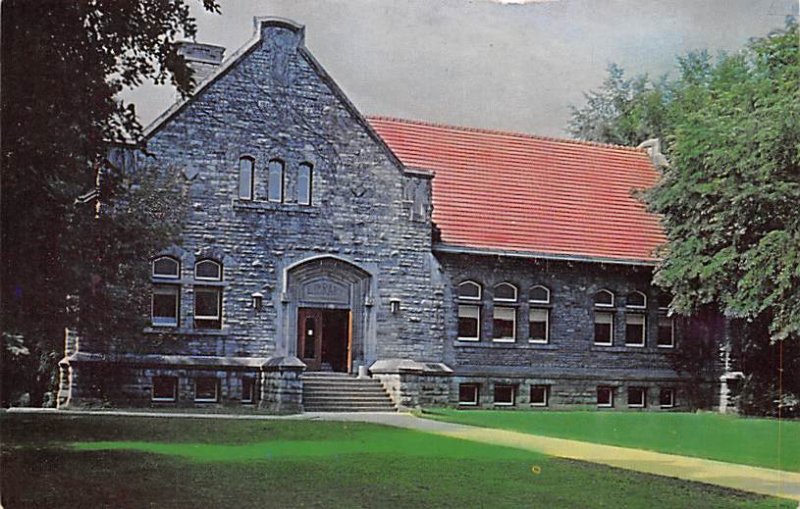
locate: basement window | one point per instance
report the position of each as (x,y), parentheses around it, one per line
(165,388)
(605,397)
(248,390)
(637,397)
(504,395)
(206,390)
(468,394)
(539,395)
(666,398)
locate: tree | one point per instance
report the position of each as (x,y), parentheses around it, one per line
(63,66)
(728,202)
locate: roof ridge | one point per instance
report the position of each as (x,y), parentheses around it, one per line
(504,133)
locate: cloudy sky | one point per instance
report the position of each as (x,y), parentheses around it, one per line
(501,64)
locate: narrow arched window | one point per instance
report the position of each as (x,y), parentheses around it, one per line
(246,177)
(276,181)
(304,180)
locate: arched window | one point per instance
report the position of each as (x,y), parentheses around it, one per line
(469,290)
(207,295)
(276,181)
(246,177)
(636,299)
(304,180)
(167,267)
(505,292)
(208,270)
(539,315)
(166,297)
(604,298)
(469,311)
(540,295)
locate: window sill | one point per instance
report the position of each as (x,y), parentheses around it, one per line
(505,345)
(634,345)
(186,331)
(666,347)
(269,206)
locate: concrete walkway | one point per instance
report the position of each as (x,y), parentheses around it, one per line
(763,481)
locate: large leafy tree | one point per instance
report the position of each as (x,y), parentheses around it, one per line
(64,64)
(729,201)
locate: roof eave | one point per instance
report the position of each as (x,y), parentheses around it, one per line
(442,247)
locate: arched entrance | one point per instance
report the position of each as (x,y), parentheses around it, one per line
(328,313)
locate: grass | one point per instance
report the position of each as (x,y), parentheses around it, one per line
(94,461)
(759,442)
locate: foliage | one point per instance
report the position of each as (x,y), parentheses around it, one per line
(63,65)
(728,198)
(178,462)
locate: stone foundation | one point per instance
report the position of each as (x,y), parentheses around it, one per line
(413,384)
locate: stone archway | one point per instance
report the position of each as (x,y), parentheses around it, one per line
(328,313)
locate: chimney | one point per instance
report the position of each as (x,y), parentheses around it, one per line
(203,59)
(653,148)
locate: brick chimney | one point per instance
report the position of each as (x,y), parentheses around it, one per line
(203,59)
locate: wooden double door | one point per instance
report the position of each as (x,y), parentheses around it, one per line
(323,338)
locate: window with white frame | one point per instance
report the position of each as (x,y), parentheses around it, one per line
(637,397)
(165,388)
(504,394)
(246,177)
(304,181)
(605,396)
(504,319)
(206,390)
(208,297)
(539,395)
(275,181)
(603,318)
(166,296)
(636,300)
(468,394)
(469,311)
(635,329)
(666,332)
(666,398)
(539,316)
(248,390)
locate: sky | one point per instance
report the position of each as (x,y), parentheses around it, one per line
(513,65)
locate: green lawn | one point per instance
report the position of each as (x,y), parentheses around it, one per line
(760,442)
(94,461)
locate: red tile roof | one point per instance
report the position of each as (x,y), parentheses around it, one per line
(510,192)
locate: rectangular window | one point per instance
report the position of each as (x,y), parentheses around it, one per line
(165,306)
(248,390)
(539,325)
(666,332)
(505,324)
(637,397)
(165,388)
(207,307)
(245,178)
(539,395)
(605,397)
(469,323)
(468,394)
(206,390)
(634,330)
(504,395)
(603,328)
(666,398)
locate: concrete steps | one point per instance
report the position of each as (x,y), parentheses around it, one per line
(340,392)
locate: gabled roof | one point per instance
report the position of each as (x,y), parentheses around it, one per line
(524,195)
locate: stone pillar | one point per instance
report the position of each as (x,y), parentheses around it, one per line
(282,385)
(413,384)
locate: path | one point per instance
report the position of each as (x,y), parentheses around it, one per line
(763,481)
